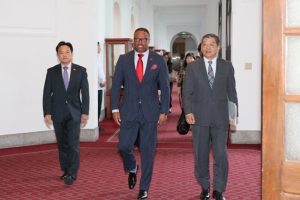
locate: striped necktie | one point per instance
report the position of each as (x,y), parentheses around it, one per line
(210,74)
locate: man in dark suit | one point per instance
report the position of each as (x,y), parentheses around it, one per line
(66,106)
(208,85)
(141,73)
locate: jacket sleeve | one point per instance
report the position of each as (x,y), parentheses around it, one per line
(85,93)
(164,87)
(187,91)
(116,84)
(47,94)
(231,87)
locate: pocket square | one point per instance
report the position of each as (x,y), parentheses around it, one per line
(154,67)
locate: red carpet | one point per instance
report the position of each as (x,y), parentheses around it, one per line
(33,172)
(36,176)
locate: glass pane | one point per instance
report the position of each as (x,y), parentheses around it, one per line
(292,131)
(293,13)
(292,65)
(110,64)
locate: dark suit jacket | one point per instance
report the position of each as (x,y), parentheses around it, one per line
(155,77)
(55,96)
(209,104)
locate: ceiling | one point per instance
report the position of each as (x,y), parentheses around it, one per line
(178,3)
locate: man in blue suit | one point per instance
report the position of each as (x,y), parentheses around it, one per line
(66,106)
(208,85)
(141,73)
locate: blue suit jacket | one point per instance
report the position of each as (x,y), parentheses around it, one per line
(56,97)
(143,94)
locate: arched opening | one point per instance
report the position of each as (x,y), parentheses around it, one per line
(182,43)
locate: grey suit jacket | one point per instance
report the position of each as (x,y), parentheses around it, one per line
(209,105)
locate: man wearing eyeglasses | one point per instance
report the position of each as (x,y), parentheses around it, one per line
(141,73)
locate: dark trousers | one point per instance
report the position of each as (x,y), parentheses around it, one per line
(203,138)
(100,94)
(171,88)
(147,131)
(67,134)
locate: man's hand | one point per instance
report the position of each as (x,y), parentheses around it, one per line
(190,119)
(48,121)
(162,119)
(117,117)
(83,120)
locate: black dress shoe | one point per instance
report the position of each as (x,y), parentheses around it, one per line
(218,195)
(205,194)
(132,178)
(62,177)
(142,194)
(69,180)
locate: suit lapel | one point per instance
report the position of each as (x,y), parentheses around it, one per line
(131,66)
(203,71)
(59,75)
(72,75)
(218,71)
(149,64)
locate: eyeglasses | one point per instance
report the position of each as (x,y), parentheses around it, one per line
(140,39)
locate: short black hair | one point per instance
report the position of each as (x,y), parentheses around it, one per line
(211,35)
(166,53)
(61,43)
(142,29)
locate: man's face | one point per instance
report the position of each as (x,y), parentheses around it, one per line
(141,41)
(64,55)
(209,48)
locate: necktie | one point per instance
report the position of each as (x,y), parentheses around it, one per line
(66,77)
(210,74)
(139,68)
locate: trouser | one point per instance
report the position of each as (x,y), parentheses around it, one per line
(147,143)
(67,134)
(203,137)
(100,94)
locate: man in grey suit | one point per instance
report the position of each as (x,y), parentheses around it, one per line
(208,85)
(141,73)
(66,106)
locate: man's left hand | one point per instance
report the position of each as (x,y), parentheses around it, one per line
(162,119)
(84,119)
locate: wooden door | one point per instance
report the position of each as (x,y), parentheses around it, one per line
(281,100)
(114,47)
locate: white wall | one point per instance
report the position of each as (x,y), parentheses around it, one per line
(196,19)
(246,48)
(167,23)
(28,48)
(145,18)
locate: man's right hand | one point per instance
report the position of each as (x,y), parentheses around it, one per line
(48,121)
(117,117)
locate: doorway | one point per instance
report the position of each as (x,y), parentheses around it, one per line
(181,44)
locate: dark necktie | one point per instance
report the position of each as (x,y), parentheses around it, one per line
(66,77)
(210,74)
(139,68)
